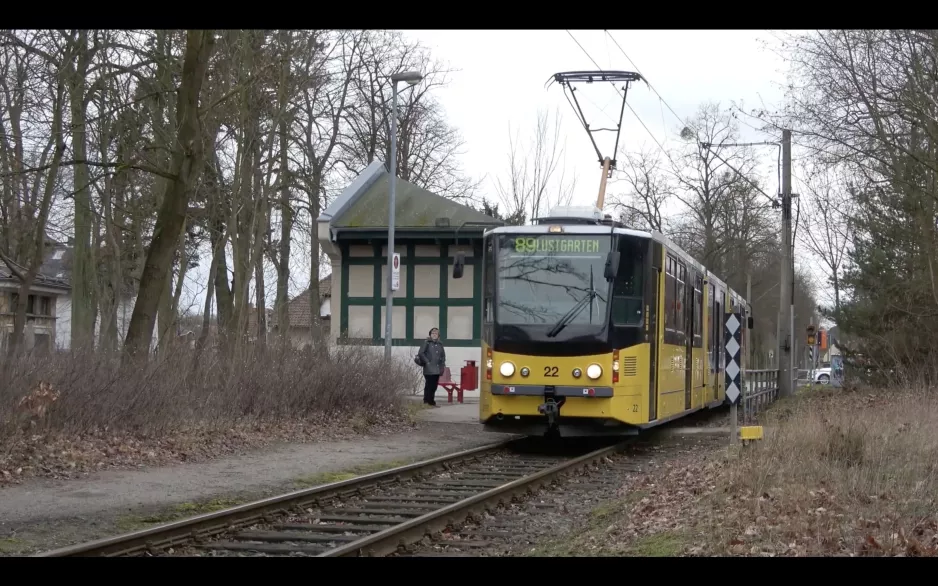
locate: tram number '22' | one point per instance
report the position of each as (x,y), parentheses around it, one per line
(551,371)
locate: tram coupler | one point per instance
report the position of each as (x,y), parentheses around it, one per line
(551,409)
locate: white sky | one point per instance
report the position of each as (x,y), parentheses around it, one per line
(500,78)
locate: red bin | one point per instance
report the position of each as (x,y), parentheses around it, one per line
(469,376)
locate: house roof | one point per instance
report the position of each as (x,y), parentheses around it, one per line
(298,307)
(55,271)
(363,206)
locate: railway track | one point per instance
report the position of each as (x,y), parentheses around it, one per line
(441,506)
(373,515)
(550,518)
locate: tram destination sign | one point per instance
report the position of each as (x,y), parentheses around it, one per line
(572,244)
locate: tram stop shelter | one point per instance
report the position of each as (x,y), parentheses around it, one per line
(429,231)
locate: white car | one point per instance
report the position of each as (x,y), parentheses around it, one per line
(822,376)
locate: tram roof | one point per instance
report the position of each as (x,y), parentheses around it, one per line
(568,229)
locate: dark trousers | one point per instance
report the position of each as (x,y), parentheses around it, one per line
(429,389)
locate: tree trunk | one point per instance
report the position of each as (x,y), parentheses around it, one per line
(18,338)
(164,318)
(207,308)
(169,302)
(223,296)
(286,233)
(261,301)
(261,230)
(218,237)
(187,160)
(183,270)
(83,298)
(315,332)
(109,277)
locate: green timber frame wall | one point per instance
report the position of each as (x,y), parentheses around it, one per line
(378,302)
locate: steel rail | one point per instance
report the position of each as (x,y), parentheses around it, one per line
(392,539)
(194,529)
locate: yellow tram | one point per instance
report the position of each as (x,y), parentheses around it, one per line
(591,328)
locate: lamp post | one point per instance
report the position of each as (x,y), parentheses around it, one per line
(412,78)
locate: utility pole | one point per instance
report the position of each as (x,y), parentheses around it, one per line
(392,195)
(786,341)
(748,302)
(412,78)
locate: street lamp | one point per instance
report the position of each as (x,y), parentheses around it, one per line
(412,78)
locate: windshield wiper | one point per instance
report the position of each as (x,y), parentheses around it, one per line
(576,309)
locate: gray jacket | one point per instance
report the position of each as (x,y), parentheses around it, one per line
(434,357)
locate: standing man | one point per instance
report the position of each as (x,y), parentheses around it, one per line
(434,361)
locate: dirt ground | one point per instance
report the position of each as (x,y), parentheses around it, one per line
(44,513)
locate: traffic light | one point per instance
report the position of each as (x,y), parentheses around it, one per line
(811,335)
(822,339)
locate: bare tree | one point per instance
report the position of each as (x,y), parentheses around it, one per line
(287,81)
(320,114)
(536,178)
(827,217)
(428,146)
(31,154)
(185,168)
(706,182)
(647,190)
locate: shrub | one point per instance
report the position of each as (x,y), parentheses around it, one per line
(82,392)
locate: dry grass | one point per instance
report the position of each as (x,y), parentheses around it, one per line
(840,473)
(72,411)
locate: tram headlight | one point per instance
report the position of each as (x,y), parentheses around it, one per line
(594,371)
(577,373)
(506,369)
(525,371)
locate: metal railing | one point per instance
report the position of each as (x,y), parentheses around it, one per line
(760,389)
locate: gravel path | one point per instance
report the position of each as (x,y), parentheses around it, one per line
(46,514)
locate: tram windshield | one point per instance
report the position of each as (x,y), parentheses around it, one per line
(541,278)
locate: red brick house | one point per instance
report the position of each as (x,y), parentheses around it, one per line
(299,314)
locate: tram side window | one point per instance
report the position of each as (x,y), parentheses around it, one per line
(698,312)
(712,340)
(627,289)
(488,296)
(669,300)
(680,309)
(718,326)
